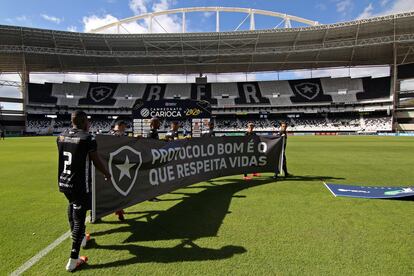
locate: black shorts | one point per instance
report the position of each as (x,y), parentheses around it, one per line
(80,199)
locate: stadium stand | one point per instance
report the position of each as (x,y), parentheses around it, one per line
(178,91)
(41,125)
(133,90)
(202,92)
(293,96)
(228,90)
(99,94)
(41,93)
(375,88)
(342,90)
(272,93)
(78,90)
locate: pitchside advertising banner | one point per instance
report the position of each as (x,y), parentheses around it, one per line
(142,169)
(369,191)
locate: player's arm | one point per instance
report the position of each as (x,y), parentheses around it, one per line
(99,164)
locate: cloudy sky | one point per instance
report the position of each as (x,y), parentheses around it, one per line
(84,15)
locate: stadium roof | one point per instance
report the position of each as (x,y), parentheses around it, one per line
(355,43)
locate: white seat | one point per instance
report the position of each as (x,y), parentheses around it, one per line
(182,90)
(220,89)
(67,101)
(76,89)
(333,85)
(134,90)
(125,103)
(222,102)
(271,88)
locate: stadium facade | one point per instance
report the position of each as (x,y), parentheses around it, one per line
(359,103)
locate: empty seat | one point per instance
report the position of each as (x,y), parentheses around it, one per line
(134,90)
(220,89)
(344,98)
(280,101)
(271,88)
(125,103)
(333,85)
(63,101)
(75,89)
(182,90)
(222,102)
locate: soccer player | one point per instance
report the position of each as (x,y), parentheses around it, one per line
(172,134)
(154,126)
(119,130)
(76,148)
(153,134)
(250,132)
(283,133)
(210,132)
(2,133)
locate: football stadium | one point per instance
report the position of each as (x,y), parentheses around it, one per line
(207,139)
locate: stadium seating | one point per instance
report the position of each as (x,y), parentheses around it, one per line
(375,88)
(270,89)
(132,90)
(294,94)
(272,93)
(342,90)
(41,93)
(78,90)
(70,102)
(99,94)
(225,102)
(178,90)
(124,103)
(39,125)
(229,90)
(333,123)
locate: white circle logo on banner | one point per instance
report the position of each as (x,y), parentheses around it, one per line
(145,112)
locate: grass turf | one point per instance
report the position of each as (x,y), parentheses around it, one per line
(225,226)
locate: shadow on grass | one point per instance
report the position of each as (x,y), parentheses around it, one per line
(309,178)
(186,251)
(196,216)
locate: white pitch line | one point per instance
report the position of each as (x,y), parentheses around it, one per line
(41,254)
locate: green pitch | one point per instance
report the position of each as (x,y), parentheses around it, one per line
(225,226)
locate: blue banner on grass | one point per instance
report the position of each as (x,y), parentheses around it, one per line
(369,191)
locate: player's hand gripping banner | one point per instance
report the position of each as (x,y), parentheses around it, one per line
(142,169)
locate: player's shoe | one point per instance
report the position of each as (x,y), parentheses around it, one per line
(154,199)
(85,240)
(120,215)
(247,178)
(74,264)
(288,175)
(257,174)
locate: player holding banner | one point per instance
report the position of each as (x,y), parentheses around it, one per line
(283,133)
(119,131)
(250,132)
(76,148)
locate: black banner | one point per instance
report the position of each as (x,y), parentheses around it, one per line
(142,169)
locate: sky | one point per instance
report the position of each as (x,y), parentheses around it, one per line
(84,15)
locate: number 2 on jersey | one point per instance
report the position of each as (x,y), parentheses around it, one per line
(67,163)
